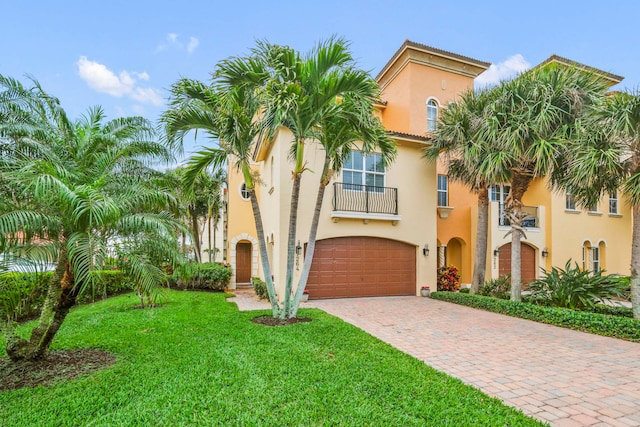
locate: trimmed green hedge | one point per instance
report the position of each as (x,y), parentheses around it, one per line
(600,324)
(22,294)
(208,275)
(260,287)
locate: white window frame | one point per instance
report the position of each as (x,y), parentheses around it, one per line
(364,172)
(433,108)
(243,190)
(498,193)
(569,201)
(613,203)
(444,192)
(595,259)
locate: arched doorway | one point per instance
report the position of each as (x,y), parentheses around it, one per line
(243,262)
(528,266)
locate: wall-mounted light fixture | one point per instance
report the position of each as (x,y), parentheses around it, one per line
(425,250)
(298,248)
(496,251)
(545,253)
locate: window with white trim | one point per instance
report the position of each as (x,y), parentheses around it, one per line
(613,203)
(362,170)
(499,193)
(443,190)
(432,115)
(570,201)
(244,193)
(595,259)
(593,208)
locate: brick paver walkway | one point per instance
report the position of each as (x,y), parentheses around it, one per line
(565,377)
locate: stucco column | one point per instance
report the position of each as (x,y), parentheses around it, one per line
(441,255)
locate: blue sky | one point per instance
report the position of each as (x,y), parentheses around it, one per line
(124,55)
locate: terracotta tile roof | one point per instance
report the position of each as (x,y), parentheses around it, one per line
(421,138)
(409,43)
(563,60)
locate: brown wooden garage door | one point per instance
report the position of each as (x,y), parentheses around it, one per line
(528,256)
(346,267)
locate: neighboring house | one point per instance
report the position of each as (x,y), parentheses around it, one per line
(218,234)
(377,233)
(597,237)
(385,232)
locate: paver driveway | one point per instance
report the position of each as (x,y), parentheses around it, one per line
(566,377)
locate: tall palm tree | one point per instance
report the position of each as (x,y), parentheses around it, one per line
(529,122)
(351,127)
(606,157)
(228,116)
(77,184)
(458,142)
(297,92)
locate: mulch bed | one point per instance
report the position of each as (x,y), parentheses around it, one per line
(272,321)
(55,367)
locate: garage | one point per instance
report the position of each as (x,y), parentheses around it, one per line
(528,257)
(349,267)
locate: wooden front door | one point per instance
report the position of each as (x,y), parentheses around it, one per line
(243,262)
(528,258)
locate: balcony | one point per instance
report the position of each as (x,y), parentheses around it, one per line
(364,202)
(531,220)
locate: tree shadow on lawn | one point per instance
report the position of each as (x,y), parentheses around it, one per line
(55,367)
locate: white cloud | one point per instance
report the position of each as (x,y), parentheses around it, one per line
(172,41)
(193,44)
(102,79)
(147,96)
(510,67)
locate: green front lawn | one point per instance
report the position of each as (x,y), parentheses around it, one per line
(199,361)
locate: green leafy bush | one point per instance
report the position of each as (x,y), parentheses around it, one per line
(497,288)
(573,288)
(260,287)
(465,290)
(22,294)
(612,310)
(207,275)
(448,279)
(601,324)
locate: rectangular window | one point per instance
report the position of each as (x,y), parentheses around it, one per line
(499,193)
(613,203)
(364,172)
(593,208)
(570,202)
(443,190)
(432,116)
(595,259)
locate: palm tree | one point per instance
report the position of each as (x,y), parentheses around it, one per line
(458,142)
(228,116)
(529,122)
(351,127)
(76,185)
(297,92)
(605,158)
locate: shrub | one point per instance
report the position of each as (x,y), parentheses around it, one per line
(207,275)
(448,279)
(601,324)
(497,288)
(572,288)
(260,287)
(22,294)
(465,290)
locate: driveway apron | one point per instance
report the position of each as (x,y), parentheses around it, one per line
(564,377)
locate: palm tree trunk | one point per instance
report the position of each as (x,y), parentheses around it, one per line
(61,296)
(209,236)
(311,246)
(291,242)
(519,184)
(480,262)
(195,230)
(264,256)
(635,263)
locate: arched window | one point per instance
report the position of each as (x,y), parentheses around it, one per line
(244,193)
(432,115)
